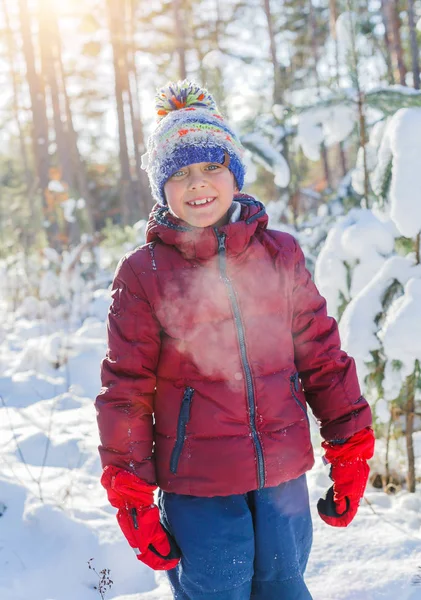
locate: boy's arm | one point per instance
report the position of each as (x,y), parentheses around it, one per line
(125,403)
(328,374)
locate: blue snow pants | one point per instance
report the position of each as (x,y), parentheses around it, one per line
(251,546)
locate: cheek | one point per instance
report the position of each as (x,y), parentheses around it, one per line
(232,183)
(171,191)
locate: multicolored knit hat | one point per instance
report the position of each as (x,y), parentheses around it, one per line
(190,130)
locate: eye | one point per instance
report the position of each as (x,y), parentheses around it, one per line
(178,174)
(213,167)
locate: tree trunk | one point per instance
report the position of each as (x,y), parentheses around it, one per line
(355,76)
(315,51)
(220,26)
(37,95)
(116,13)
(333,11)
(49,51)
(11,53)
(392,13)
(386,479)
(387,42)
(415,53)
(277,83)
(81,178)
(180,36)
(143,194)
(409,430)
(363,141)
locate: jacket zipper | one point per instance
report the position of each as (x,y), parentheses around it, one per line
(183,419)
(294,386)
(244,360)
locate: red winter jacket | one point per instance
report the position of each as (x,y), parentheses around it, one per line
(217,339)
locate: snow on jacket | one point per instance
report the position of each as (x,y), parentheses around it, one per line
(218,339)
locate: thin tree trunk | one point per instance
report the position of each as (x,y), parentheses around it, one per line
(81,178)
(37,95)
(277,83)
(11,53)
(332,25)
(180,36)
(394,22)
(219,83)
(77,170)
(409,430)
(355,75)
(415,53)
(213,74)
(49,51)
(386,460)
(143,192)
(387,42)
(116,26)
(292,187)
(363,141)
(315,51)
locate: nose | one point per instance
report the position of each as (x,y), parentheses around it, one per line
(196,180)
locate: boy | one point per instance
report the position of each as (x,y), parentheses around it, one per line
(218,339)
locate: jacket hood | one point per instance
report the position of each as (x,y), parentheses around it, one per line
(201,242)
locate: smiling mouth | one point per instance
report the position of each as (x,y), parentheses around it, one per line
(201,202)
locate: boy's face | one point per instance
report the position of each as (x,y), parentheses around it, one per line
(187,189)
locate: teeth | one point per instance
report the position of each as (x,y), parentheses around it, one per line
(204,201)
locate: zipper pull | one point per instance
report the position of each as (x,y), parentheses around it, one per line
(296,383)
(133,512)
(187,401)
(221,241)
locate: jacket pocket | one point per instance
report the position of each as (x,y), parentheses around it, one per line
(294,384)
(183,419)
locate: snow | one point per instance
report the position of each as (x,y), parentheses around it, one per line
(214,59)
(367,325)
(405,143)
(269,157)
(403,323)
(55,516)
(361,241)
(401,89)
(56,186)
(358,326)
(377,155)
(328,124)
(346,31)
(69,207)
(251,168)
(380,145)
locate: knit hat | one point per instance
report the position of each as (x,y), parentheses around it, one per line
(190,130)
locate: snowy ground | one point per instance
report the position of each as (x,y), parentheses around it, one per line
(55,517)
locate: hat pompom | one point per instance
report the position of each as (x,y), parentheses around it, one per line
(182,94)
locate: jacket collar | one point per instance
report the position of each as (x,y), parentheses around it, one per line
(202,243)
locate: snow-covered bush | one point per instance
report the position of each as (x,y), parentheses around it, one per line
(369,270)
(52,287)
(118,239)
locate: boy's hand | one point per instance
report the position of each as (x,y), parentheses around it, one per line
(349,472)
(138,518)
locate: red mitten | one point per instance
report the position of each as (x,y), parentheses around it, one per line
(138,518)
(349,472)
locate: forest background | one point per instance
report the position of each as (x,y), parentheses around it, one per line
(78,80)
